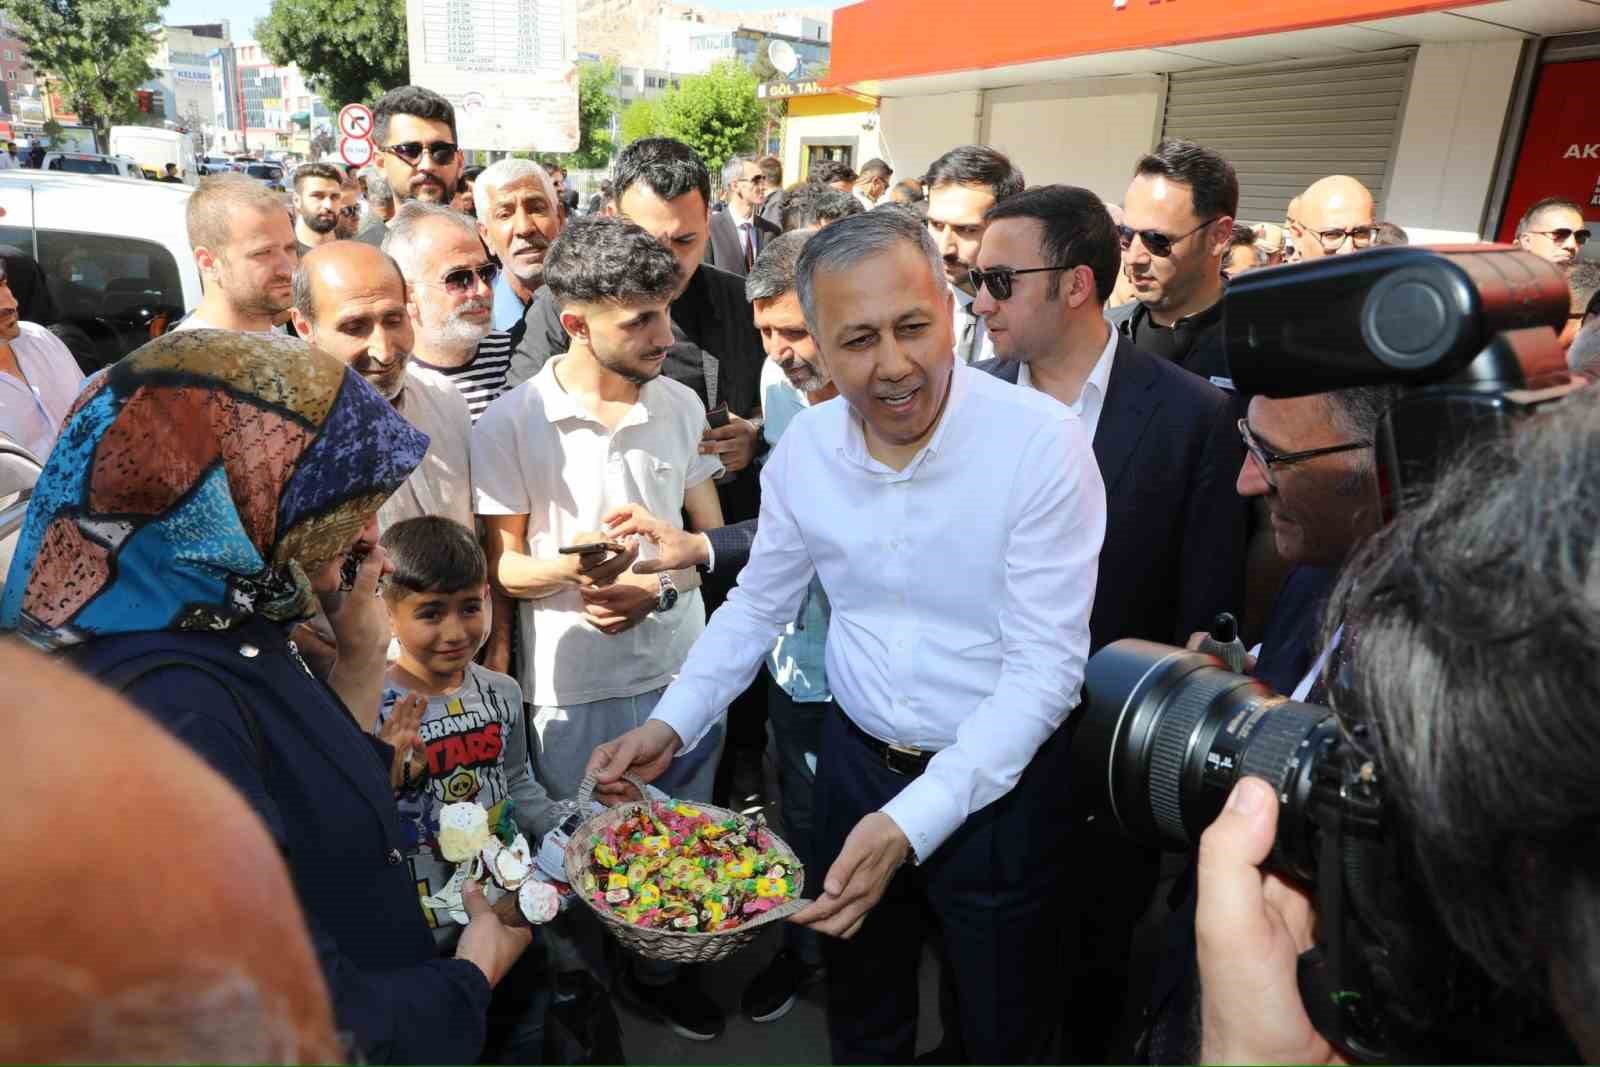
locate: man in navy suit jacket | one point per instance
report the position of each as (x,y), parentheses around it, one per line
(1173,558)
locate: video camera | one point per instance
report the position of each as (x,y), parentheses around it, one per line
(1469,336)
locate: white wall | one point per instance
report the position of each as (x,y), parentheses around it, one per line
(843,128)
(916,130)
(1450,134)
(1088,132)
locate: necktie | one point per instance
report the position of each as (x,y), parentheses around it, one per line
(749,233)
(966,345)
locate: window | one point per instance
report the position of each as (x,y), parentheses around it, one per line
(110,292)
(83,166)
(11,75)
(627,79)
(10,56)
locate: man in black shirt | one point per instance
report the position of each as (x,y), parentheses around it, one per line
(1178,220)
(663,186)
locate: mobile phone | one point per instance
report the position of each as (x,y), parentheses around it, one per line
(352,563)
(717,417)
(613,547)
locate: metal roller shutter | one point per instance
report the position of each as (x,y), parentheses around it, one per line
(1284,125)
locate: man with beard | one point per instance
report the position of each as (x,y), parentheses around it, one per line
(450,284)
(598,427)
(963,184)
(245,247)
(318,200)
(350,301)
(518,217)
(415,131)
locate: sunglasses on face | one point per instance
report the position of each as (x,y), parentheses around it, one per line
(460,279)
(1270,460)
(1563,235)
(1155,242)
(442,153)
(998,280)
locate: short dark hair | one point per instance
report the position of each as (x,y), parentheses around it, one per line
(597,258)
(1213,185)
(1391,234)
(432,554)
(911,189)
(976,164)
(1075,231)
(1541,206)
(832,170)
(668,168)
(325,171)
(411,100)
(875,168)
(471,173)
(1242,236)
(812,204)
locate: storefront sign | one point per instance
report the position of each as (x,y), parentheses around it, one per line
(786,89)
(1560,153)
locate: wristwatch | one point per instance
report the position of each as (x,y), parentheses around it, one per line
(669,594)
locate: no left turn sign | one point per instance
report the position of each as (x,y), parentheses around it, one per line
(355,121)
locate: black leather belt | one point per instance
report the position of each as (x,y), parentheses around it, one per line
(909,762)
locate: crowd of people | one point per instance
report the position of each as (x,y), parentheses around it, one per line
(450,490)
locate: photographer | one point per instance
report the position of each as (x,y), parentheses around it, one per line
(1469,630)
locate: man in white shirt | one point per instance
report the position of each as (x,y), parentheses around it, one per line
(245,247)
(39,379)
(872,182)
(350,301)
(963,184)
(950,684)
(596,428)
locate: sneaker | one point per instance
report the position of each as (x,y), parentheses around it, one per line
(681,1004)
(771,994)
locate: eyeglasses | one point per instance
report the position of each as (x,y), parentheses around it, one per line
(460,279)
(442,153)
(998,280)
(1359,236)
(1155,242)
(1562,235)
(1269,459)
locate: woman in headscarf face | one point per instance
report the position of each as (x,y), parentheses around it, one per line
(206,478)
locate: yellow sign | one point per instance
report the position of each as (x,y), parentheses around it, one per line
(784,90)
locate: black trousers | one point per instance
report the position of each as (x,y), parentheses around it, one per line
(991,891)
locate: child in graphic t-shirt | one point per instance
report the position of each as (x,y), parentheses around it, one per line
(472,745)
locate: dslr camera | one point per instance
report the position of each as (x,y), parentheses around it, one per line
(1469,336)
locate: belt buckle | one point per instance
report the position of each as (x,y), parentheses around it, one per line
(902,760)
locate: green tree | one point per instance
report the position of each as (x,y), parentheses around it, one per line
(97,51)
(349,52)
(639,119)
(717,114)
(597,106)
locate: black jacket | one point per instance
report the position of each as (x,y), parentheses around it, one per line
(1169,454)
(1199,337)
(717,353)
(724,248)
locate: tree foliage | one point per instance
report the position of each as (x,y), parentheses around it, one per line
(96,51)
(597,105)
(349,52)
(717,114)
(639,119)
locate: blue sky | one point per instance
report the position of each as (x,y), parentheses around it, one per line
(244,13)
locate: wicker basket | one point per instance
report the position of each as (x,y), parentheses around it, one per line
(676,946)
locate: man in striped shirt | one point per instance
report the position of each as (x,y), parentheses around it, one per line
(450,287)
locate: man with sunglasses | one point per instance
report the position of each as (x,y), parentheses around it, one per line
(1175,530)
(1178,219)
(1335,216)
(450,297)
(1553,229)
(738,232)
(415,131)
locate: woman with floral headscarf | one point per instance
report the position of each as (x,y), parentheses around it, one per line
(204,495)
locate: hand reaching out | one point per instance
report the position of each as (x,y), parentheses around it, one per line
(403,732)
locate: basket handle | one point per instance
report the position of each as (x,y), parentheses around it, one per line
(586,791)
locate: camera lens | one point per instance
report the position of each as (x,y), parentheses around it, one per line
(1166,733)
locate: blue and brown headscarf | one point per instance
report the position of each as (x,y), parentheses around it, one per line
(196,483)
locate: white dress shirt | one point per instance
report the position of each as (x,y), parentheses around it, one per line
(1092,397)
(33,407)
(442,482)
(983,347)
(960,588)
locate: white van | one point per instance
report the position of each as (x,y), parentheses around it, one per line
(154,147)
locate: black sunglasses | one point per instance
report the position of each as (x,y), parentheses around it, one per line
(998,280)
(1560,236)
(442,152)
(1155,242)
(460,279)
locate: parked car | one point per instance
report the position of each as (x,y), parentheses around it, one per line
(216,165)
(270,173)
(91,163)
(115,252)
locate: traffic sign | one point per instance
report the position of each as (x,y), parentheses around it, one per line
(356,151)
(355,120)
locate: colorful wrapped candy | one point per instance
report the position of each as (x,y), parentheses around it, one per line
(673,867)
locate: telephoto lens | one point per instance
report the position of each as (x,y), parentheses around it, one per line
(1165,733)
